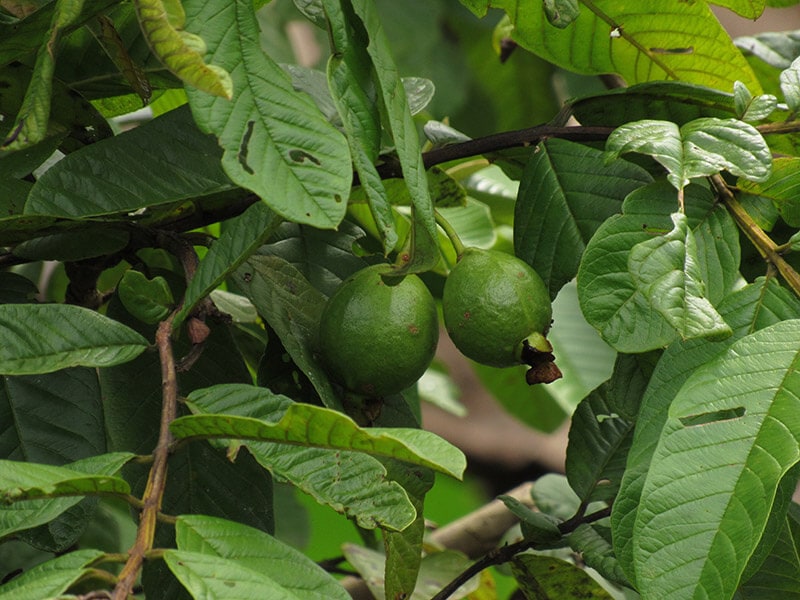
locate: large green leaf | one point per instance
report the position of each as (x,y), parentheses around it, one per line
(285,567)
(49,579)
(45,483)
(570,185)
(779,576)
(173,162)
(424,251)
(670,40)
(611,299)
(352,483)
(752,308)
(292,307)
(53,418)
(665,270)
(309,425)
(699,148)
(602,430)
(352,89)
(730,435)
(275,141)
(42,338)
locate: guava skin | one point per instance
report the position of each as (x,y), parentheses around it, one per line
(377,334)
(497,311)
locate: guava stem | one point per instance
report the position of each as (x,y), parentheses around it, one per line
(451,234)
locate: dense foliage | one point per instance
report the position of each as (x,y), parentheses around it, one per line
(164,392)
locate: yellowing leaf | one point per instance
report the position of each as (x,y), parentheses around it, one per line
(181,52)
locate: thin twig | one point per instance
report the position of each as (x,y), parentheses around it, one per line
(763,243)
(502,555)
(157,479)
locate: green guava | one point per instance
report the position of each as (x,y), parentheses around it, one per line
(378,333)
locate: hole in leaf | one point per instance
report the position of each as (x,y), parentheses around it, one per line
(716,416)
(244,148)
(298,155)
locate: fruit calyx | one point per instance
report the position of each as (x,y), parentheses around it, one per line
(537,352)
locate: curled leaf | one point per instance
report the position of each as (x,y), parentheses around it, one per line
(179,51)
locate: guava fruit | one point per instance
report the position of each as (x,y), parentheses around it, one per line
(378,333)
(497,311)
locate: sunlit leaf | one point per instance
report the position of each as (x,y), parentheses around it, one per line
(729,434)
(670,40)
(752,308)
(350,482)
(275,141)
(699,148)
(325,428)
(665,270)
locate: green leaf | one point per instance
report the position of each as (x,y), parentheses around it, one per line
(74,246)
(42,338)
(569,184)
(275,141)
(699,148)
(671,40)
(352,483)
(325,428)
(424,251)
(49,579)
(351,86)
(31,124)
(778,577)
(560,13)
(174,162)
(240,239)
(730,434)
(550,578)
(52,418)
(292,307)
(752,308)
(610,299)
(325,258)
(290,570)
(404,549)
(666,272)
(214,577)
(537,527)
(777,49)
(80,478)
(749,108)
(149,300)
(602,430)
(749,9)
(179,51)
(790,85)
(594,544)
(674,101)
(29,481)
(781,188)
